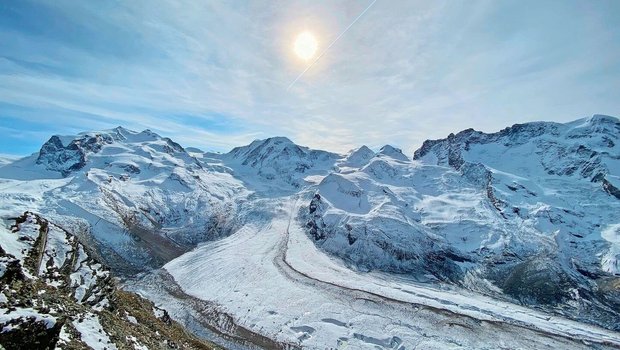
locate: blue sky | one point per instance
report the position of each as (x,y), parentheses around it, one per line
(214,74)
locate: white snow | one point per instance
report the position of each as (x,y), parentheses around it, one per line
(611,260)
(131,319)
(159,313)
(92,333)
(23,314)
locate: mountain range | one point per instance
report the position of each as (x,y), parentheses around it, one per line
(512,237)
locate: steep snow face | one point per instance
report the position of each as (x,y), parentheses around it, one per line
(562,179)
(142,196)
(392,152)
(357,158)
(279,161)
(529,213)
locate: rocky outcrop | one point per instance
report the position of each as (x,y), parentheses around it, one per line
(53,292)
(314,223)
(610,188)
(57,157)
(65,159)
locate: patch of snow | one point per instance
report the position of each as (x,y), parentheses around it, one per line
(611,260)
(92,333)
(23,314)
(131,318)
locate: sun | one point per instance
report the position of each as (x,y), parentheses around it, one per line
(305,45)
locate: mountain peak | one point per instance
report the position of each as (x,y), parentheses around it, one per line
(358,157)
(269,145)
(66,154)
(578,148)
(363,149)
(122,129)
(393,152)
(280,158)
(601,118)
(278,140)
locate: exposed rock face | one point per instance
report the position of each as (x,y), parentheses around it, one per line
(30,331)
(611,189)
(56,157)
(315,222)
(66,159)
(55,293)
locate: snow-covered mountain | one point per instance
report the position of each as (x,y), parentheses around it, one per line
(530,213)
(142,197)
(279,161)
(527,215)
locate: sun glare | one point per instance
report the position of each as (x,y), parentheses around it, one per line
(305,45)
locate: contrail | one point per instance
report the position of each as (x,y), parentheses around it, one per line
(330,45)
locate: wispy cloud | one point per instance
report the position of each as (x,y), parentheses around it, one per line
(215,74)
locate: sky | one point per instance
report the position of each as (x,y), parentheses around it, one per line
(215,74)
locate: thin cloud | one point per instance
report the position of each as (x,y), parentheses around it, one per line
(410,71)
